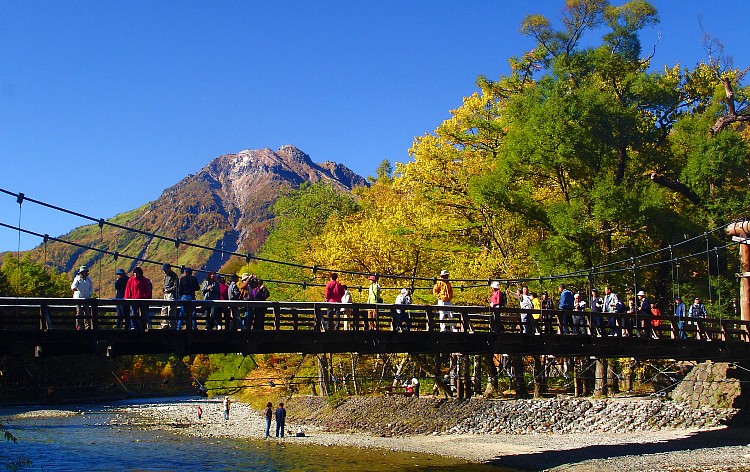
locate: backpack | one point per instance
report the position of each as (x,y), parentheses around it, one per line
(503,299)
(263,293)
(621,307)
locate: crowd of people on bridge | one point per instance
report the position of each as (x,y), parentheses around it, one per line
(597,314)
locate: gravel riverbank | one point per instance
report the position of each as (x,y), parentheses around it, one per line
(557,434)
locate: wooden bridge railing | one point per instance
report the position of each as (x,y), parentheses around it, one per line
(44,314)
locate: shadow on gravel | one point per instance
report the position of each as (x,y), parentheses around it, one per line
(731,436)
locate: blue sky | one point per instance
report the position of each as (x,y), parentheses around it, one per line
(103,104)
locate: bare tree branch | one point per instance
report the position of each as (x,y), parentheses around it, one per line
(676,186)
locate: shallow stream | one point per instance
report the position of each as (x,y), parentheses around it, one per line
(97,440)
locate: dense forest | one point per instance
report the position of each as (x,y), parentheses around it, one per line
(583,164)
(582,160)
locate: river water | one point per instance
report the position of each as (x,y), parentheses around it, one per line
(92,441)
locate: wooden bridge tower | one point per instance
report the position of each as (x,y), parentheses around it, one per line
(740,232)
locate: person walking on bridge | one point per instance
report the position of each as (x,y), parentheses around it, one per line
(373,296)
(139,287)
(680,313)
(525,302)
(123,311)
(83,287)
(211,291)
(612,306)
(187,287)
(566,303)
(170,294)
(644,310)
(443,291)
(333,293)
(597,307)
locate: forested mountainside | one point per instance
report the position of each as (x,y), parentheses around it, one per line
(226,205)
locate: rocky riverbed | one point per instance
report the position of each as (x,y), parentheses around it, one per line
(632,434)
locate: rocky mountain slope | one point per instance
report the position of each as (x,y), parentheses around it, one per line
(226,205)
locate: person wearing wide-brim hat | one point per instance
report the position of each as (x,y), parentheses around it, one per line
(496,300)
(122,311)
(373,296)
(83,287)
(443,291)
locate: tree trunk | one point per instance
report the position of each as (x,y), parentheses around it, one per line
(323,375)
(397,378)
(477,379)
(434,370)
(465,375)
(492,386)
(630,377)
(354,358)
(600,388)
(577,380)
(453,369)
(540,381)
(518,378)
(613,377)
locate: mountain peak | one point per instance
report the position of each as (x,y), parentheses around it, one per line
(294,153)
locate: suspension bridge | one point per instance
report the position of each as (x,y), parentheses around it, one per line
(46,327)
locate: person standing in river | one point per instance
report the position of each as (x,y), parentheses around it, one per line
(280,419)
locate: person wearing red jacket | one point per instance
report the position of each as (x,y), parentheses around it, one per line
(333,293)
(139,287)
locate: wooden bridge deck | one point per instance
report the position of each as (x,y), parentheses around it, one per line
(47,327)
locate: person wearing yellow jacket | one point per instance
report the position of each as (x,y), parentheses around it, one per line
(443,291)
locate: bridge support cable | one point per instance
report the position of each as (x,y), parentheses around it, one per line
(21,197)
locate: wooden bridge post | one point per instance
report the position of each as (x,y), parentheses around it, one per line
(356,315)
(600,387)
(430,319)
(740,231)
(276,316)
(466,375)
(540,381)
(518,378)
(45,323)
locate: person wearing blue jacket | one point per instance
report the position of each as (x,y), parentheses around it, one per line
(566,304)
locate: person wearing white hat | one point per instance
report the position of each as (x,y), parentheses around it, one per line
(496,300)
(83,287)
(644,309)
(443,291)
